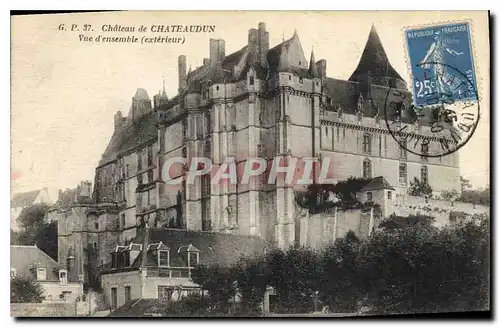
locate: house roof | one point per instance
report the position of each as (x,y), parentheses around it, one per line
(24,199)
(377,183)
(25,257)
(213,248)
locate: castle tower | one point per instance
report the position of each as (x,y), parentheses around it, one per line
(374,65)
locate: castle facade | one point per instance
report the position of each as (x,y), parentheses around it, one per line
(256,102)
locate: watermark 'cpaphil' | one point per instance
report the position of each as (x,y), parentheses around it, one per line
(281,170)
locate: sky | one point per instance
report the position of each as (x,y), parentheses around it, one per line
(65,92)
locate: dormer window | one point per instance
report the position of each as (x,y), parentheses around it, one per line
(193,258)
(251,80)
(63,276)
(163,258)
(41,274)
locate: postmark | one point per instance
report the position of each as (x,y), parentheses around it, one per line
(444,112)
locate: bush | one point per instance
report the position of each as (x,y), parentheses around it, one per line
(25,290)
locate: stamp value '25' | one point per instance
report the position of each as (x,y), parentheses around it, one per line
(434,51)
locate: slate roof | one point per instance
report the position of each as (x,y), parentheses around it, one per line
(374,60)
(24,257)
(213,248)
(377,183)
(130,136)
(24,199)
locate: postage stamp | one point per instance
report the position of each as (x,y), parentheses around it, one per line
(434,53)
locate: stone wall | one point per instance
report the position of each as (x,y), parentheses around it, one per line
(439,209)
(62,309)
(321,229)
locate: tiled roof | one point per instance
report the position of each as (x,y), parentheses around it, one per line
(24,257)
(130,136)
(377,183)
(213,248)
(24,199)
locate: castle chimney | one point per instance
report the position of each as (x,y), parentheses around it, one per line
(118,119)
(263,44)
(182,72)
(217,51)
(321,66)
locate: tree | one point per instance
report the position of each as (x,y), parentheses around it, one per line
(464,184)
(252,277)
(25,290)
(315,198)
(219,281)
(340,289)
(416,270)
(295,276)
(30,217)
(450,195)
(418,188)
(480,197)
(36,231)
(394,223)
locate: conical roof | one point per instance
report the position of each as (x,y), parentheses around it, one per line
(374,62)
(313,71)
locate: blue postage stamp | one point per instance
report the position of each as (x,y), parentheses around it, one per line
(442,66)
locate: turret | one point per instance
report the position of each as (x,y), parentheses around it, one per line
(374,61)
(313,70)
(182,72)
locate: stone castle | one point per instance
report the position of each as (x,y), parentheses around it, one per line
(256,102)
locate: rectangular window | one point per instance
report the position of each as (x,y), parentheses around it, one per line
(367,144)
(251,80)
(193,259)
(41,274)
(425,149)
(389,195)
(369,196)
(184,130)
(367,169)
(380,145)
(114,298)
(402,173)
(139,179)
(150,156)
(205,185)
(139,161)
(208,120)
(128,294)
(163,258)
(117,224)
(122,218)
(206,223)
(165,292)
(424,178)
(150,176)
(402,149)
